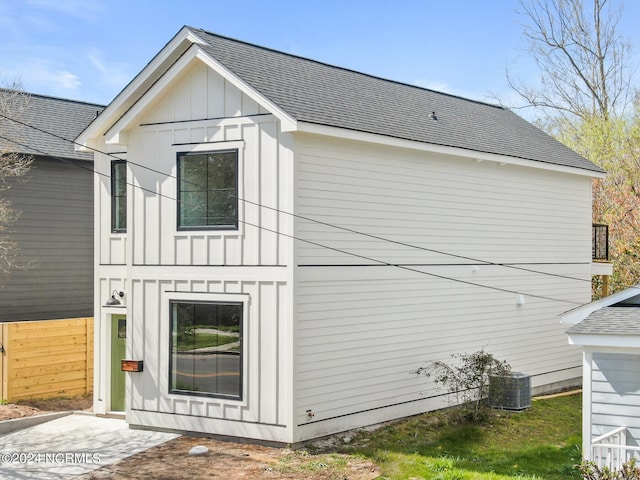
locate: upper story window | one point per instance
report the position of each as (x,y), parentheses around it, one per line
(118,196)
(208,190)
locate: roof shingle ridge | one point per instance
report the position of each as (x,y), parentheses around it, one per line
(51,97)
(345,69)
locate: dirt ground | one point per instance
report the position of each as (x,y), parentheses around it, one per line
(232,461)
(224,460)
(27,408)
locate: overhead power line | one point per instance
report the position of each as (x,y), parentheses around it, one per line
(311,242)
(313,220)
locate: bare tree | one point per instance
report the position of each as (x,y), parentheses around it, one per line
(582,59)
(587,101)
(14,165)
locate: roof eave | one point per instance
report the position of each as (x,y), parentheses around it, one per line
(287,122)
(604,340)
(338,132)
(578,314)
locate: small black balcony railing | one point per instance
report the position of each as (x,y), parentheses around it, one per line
(600,242)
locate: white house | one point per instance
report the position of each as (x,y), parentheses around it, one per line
(608,331)
(292,240)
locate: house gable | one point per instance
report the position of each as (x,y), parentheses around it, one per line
(611,322)
(195,72)
(304,94)
(227,96)
(199,93)
(127,98)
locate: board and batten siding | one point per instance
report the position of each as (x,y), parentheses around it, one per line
(265,398)
(54,234)
(615,394)
(200,110)
(363,327)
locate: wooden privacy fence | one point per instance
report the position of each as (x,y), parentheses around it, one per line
(46,359)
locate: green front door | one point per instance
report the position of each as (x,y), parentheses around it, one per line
(118,346)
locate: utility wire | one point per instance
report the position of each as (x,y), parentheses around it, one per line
(312,220)
(310,242)
(342,251)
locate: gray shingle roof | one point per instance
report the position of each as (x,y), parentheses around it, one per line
(64,118)
(318,93)
(609,321)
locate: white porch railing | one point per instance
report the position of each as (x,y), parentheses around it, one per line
(611,449)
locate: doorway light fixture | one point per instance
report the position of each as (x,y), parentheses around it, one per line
(113,301)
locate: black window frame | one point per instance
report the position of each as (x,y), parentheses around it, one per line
(180,156)
(176,391)
(117,199)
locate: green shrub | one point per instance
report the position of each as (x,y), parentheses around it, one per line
(467,378)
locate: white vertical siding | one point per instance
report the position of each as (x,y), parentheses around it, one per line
(254,243)
(615,400)
(111,247)
(201,110)
(263,368)
(362,328)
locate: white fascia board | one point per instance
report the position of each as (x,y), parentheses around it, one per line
(608,349)
(605,341)
(114,134)
(287,122)
(137,87)
(578,314)
(116,130)
(440,149)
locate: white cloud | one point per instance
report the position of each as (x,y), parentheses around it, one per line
(446,88)
(42,77)
(437,86)
(65,79)
(97,62)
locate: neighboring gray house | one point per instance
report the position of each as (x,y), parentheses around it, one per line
(55,229)
(609,332)
(299,238)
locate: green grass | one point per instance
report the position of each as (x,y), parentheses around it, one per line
(540,443)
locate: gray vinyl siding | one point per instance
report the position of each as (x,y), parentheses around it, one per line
(616,394)
(55,237)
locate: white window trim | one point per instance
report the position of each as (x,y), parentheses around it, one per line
(238,145)
(165,335)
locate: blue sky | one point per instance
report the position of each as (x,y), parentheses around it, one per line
(90,49)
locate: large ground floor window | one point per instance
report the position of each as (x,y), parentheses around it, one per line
(206,348)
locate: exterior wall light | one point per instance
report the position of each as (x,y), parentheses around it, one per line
(113,301)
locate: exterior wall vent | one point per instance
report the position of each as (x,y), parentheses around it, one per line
(512,392)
